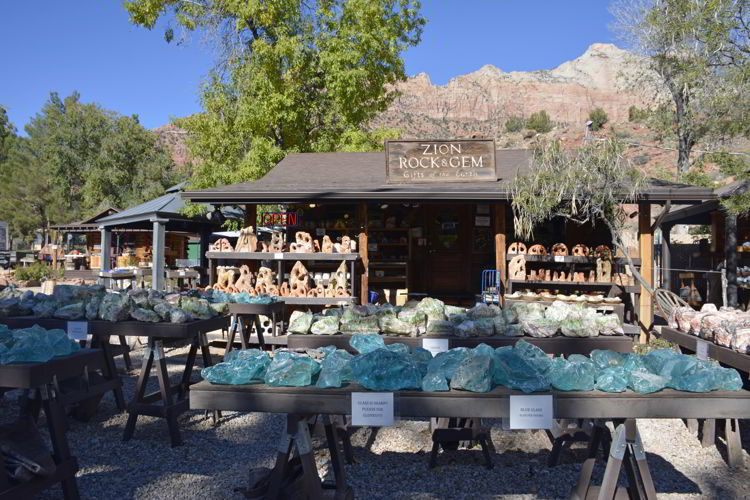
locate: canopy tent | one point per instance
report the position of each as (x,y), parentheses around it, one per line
(159,215)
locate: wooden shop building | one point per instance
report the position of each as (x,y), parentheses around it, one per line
(430,216)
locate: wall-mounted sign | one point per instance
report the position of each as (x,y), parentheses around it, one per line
(459,160)
(279,219)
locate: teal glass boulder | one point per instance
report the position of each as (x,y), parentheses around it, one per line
(434,382)
(572,374)
(292,370)
(707,379)
(366,342)
(645,382)
(634,363)
(445,363)
(421,357)
(35,345)
(474,374)
(239,367)
(483,349)
(335,369)
(612,379)
(400,348)
(533,355)
(656,359)
(517,372)
(606,358)
(384,370)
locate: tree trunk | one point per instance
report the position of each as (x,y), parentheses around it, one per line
(730,255)
(683,152)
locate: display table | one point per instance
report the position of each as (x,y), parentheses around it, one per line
(551,345)
(43,377)
(173,398)
(244,314)
(303,403)
(180,276)
(725,356)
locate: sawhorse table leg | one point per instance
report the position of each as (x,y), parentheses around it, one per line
(61,451)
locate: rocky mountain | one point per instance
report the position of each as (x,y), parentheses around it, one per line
(480,102)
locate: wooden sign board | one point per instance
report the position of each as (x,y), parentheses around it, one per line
(444,160)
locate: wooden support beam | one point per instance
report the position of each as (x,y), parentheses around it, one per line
(730,256)
(251,215)
(364,294)
(104,249)
(646,246)
(500,238)
(666,257)
(157,254)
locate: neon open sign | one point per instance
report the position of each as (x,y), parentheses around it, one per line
(279,219)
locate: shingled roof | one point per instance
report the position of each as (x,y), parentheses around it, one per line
(361,176)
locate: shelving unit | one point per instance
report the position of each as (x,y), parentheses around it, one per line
(392,242)
(281,258)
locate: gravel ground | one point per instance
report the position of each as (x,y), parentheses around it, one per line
(214,461)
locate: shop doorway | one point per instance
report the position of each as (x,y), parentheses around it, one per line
(448,250)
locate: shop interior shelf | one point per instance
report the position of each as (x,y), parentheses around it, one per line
(315,301)
(570,259)
(282,256)
(516,284)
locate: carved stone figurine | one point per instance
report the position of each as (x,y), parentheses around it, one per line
(516,248)
(537,249)
(247,241)
(517,268)
(603,270)
(559,249)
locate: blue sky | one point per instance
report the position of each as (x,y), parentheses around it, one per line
(89,46)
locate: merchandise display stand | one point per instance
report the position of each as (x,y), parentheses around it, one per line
(249,314)
(173,398)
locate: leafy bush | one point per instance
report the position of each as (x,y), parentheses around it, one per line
(515,124)
(697,177)
(598,118)
(35,272)
(540,122)
(635,114)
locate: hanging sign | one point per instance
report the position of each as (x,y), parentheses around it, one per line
(372,409)
(459,160)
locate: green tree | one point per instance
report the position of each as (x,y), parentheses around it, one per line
(598,118)
(7,134)
(539,121)
(635,114)
(292,76)
(77,158)
(514,124)
(697,54)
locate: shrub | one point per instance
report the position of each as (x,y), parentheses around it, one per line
(598,118)
(540,122)
(34,272)
(635,114)
(514,124)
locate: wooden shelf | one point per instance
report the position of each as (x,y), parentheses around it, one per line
(380,265)
(388,279)
(570,259)
(518,284)
(316,301)
(402,229)
(391,244)
(282,256)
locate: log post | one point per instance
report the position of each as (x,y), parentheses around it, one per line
(500,240)
(157,253)
(730,256)
(666,257)
(646,247)
(364,294)
(251,215)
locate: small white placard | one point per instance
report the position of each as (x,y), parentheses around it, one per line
(182,273)
(78,330)
(435,346)
(559,258)
(701,349)
(531,412)
(372,409)
(278,255)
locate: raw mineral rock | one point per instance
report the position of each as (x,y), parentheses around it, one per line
(366,342)
(483,349)
(10,307)
(66,294)
(581,322)
(114,307)
(45,306)
(484,311)
(335,369)
(511,315)
(145,315)
(575,375)
(645,382)
(413,317)
(300,322)
(385,370)
(164,310)
(365,324)
(527,311)
(34,345)
(197,308)
(434,382)
(399,348)
(557,311)
(445,363)
(433,308)
(453,310)
(499,325)
(177,315)
(74,311)
(514,330)
(440,327)
(485,326)
(534,354)
(92,307)
(139,296)
(467,329)
(512,369)
(612,379)
(473,374)
(422,357)
(540,327)
(219,307)
(240,367)
(391,325)
(326,325)
(291,370)
(609,324)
